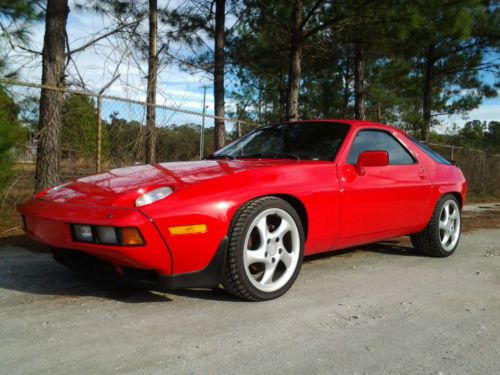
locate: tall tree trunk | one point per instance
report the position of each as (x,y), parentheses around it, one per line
(359,84)
(346,89)
(259,105)
(50,124)
(220,18)
(282,98)
(427,95)
(150,139)
(295,62)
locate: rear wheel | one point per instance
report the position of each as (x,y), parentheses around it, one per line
(266,249)
(441,236)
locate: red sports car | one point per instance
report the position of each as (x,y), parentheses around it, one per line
(247,215)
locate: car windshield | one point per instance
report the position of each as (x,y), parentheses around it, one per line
(300,140)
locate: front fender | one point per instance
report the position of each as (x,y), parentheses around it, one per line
(214,203)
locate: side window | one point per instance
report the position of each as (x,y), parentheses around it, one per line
(371,140)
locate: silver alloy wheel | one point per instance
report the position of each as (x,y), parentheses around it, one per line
(449,225)
(271,249)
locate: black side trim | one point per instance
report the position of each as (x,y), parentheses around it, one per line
(208,277)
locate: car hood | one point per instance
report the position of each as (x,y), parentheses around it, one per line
(122,186)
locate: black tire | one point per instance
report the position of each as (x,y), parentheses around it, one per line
(428,241)
(235,279)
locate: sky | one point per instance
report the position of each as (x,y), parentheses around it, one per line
(489,110)
(176,88)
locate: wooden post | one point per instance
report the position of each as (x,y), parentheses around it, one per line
(202,132)
(483,162)
(99,126)
(98,136)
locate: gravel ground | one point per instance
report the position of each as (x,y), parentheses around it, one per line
(380,309)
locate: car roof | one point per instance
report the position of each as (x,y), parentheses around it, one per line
(353,123)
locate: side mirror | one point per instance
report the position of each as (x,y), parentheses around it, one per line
(371,159)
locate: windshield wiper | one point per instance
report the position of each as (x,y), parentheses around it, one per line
(219,156)
(250,156)
(290,156)
(271,156)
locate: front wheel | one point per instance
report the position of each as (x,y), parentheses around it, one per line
(266,249)
(440,237)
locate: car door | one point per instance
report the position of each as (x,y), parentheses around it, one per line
(384,199)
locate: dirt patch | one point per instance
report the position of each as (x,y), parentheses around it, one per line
(492,253)
(485,219)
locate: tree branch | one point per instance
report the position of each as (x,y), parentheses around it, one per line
(29,50)
(104,36)
(311,12)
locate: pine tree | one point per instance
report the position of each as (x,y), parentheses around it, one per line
(16,17)
(11,135)
(79,126)
(53,69)
(447,44)
(193,22)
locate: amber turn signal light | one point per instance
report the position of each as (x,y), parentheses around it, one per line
(188,229)
(131,237)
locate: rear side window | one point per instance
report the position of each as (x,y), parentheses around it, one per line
(372,140)
(432,154)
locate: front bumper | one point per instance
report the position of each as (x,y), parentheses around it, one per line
(49,223)
(150,265)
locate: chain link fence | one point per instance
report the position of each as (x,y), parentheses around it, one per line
(481,169)
(181,134)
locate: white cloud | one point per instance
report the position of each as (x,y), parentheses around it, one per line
(489,111)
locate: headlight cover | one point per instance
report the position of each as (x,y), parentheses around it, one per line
(153,196)
(58,187)
(51,190)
